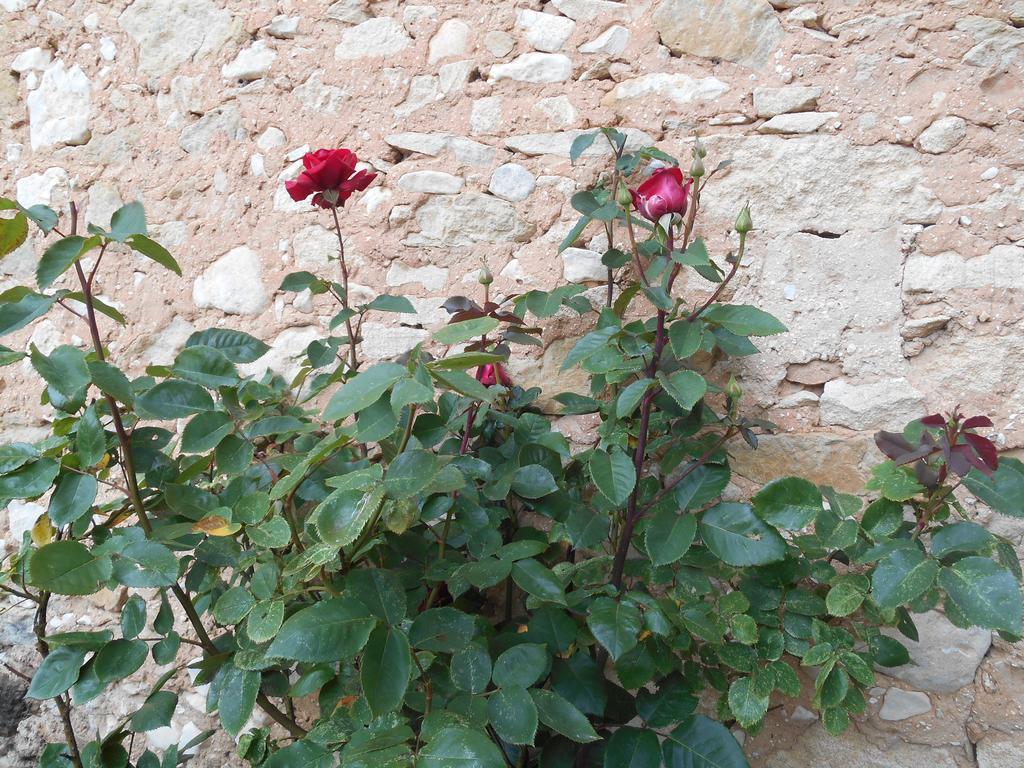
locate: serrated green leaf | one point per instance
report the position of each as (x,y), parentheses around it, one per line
(614,475)
(331,630)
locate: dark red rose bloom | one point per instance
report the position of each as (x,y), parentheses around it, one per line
(492,374)
(330,176)
(664,192)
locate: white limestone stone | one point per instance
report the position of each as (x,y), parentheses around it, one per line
(512,182)
(251,63)
(942,135)
(451,39)
(52,187)
(466,219)
(485,117)
(945,659)
(560,142)
(59,109)
(744,31)
(376,37)
(902,705)
(581,265)
(797,123)
(682,89)
(881,405)
(454,75)
(430,182)
(283,27)
(611,42)
(587,10)
(385,342)
(430,277)
(34,59)
(769,102)
(169,33)
(233,284)
(546,32)
(558,109)
(499,43)
(21,516)
(104,199)
(534,68)
(272,138)
(225,120)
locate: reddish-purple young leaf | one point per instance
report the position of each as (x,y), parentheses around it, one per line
(935,420)
(459,304)
(978,421)
(985,449)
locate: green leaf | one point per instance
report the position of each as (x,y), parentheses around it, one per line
(205,430)
(965,537)
(985,593)
(174,400)
(155,713)
(615,624)
(343,515)
(458,747)
(363,390)
(671,704)
(789,503)
(632,748)
(443,630)
(702,485)
(894,483)
(129,219)
(133,617)
(685,387)
(701,742)
(64,370)
(589,345)
(902,576)
(120,658)
(536,580)
(264,620)
(410,473)
(43,216)
(10,356)
(13,232)
(31,480)
(111,381)
(384,669)
(630,398)
(236,346)
(153,251)
(844,598)
(145,564)
(580,145)
(1004,491)
(73,498)
(386,303)
(331,630)
(20,306)
(669,535)
(464,384)
(68,568)
(57,673)
(685,338)
(882,518)
(238,689)
(205,366)
(457,333)
(889,652)
(233,606)
(521,665)
(533,481)
(562,717)
(381,591)
(233,454)
(58,258)
(857,668)
(513,715)
(613,474)
(743,320)
(738,537)
(471,669)
(748,705)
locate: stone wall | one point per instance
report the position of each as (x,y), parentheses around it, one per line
(880,143)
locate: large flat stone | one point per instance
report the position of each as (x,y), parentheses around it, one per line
(743,31)
(171,32)
(465,219)
(823,458)
(945,659)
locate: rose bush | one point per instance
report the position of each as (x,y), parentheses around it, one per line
(421,571)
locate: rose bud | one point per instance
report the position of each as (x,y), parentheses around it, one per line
(492,374)
(743,222)
(664,192)
(330,175)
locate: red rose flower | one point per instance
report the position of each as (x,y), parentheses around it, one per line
(664,192)
(492,374)
(330,176)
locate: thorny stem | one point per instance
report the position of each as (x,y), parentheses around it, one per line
(135,496)
(352,361)
(609,226)
(63,707)
(721,286)
(935,503)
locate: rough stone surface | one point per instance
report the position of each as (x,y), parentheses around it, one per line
(251,63)
(882,405)
(546,32)
(769,102)
(580,265)
(945,659)
(59,109)
(901,705)
(800,122)
(430,182)
(199,28)
(680,89)
(233,284)
(512,182)
(534,68)
(612,42)
(744,31)
(381,36)
(942,135)
(465,219)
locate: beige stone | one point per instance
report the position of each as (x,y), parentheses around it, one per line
(744,31)
(820,457)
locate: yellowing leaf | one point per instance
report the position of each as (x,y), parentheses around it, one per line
(215,525)
(43,531)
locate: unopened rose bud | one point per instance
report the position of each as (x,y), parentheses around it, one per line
(623,196)
(485,278)
(699,150)
(697,168)
(733,390)
(743,222)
